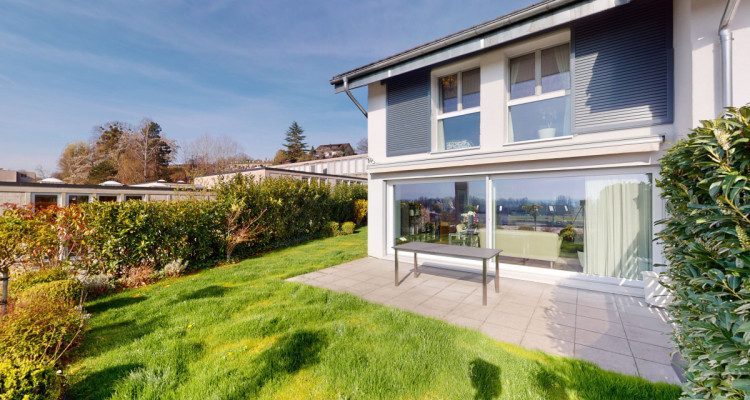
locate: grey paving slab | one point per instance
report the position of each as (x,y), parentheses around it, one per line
(607,359)
(619,333)
(548,344)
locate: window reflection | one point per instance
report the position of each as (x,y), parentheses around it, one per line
(599,225)
(540,119)
(441,212)
(458,132)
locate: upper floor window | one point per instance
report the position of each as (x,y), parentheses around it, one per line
(458,114)
(539,104)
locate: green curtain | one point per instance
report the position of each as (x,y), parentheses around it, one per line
(617,233)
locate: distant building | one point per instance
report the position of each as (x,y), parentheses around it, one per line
(7,175)
(355,165)
(333,150)
(53,191)
(261,173)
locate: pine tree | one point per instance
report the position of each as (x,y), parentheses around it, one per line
(295,147)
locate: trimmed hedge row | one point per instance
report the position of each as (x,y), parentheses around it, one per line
(707,243)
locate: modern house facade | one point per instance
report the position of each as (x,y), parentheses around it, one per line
(540,132)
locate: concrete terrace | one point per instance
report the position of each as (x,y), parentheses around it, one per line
(618,333)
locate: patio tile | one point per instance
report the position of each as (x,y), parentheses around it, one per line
(656,372)
(463,287)
(653,324)
(596,303)
(548,344)
(431,312)
(465,322)
(607,359)
(656,338)
(502,333)
(508,320)
(556,317)
(606,314)
(439,303)
(410,298)
(551,305)
(551,329)
(363,288)
(601,341)
(600,326)
(476,312)
(516,308)
(560,295)
(347,282)
(643,311)
(435,282)
(651,352)
(453,295)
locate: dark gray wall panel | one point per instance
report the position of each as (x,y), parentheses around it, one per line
(622,67)
(408,114)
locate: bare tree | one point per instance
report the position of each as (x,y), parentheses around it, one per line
(211,154)
(75,163)
(362,146)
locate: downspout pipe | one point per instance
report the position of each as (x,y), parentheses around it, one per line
(351,96)
(725,36)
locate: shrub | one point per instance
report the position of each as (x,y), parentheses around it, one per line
(138,276)
(69,290)
(360,210)
(331,229)
(568,233)
(41,330)
(348,227)
(29,380)
(706,241)
(174,268)
(98,284)
(32,278)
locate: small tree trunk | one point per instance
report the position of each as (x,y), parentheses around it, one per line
(4,301)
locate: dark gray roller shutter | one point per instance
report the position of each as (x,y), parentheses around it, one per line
(407,128)
(623,67)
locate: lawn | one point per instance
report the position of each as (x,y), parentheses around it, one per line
(241,331)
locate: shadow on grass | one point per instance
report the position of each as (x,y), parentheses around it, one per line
(208,291)
(98,385)
(290,354)
(485,378)
(558,377)
(114,303)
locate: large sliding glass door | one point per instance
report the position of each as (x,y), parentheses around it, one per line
(598,225)
(593,224)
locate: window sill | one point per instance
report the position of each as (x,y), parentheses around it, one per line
(454,150)
(553,139)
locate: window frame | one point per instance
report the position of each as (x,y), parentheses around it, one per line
(536,46)
(436,99)
(538,95)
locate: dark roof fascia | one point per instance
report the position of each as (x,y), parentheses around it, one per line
(494,26)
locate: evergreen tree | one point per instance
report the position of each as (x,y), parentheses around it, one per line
(295,147)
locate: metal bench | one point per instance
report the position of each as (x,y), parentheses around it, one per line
(471,253)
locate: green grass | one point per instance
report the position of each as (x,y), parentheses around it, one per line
(241,331)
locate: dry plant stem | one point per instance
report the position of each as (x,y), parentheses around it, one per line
(4,300)
(243,233)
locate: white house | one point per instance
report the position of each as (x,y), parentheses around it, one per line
(540,132)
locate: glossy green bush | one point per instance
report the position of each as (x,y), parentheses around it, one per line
(294,209)
(69,290)
(28,279)
(331,229)
(348,227)
(707,243)
(29,380)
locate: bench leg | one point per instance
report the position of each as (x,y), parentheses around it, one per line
(396,281)
(497,274)
(484,282)
(416,271)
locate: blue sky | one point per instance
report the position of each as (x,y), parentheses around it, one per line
(246,69)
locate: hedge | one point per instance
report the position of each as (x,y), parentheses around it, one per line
(706,238)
